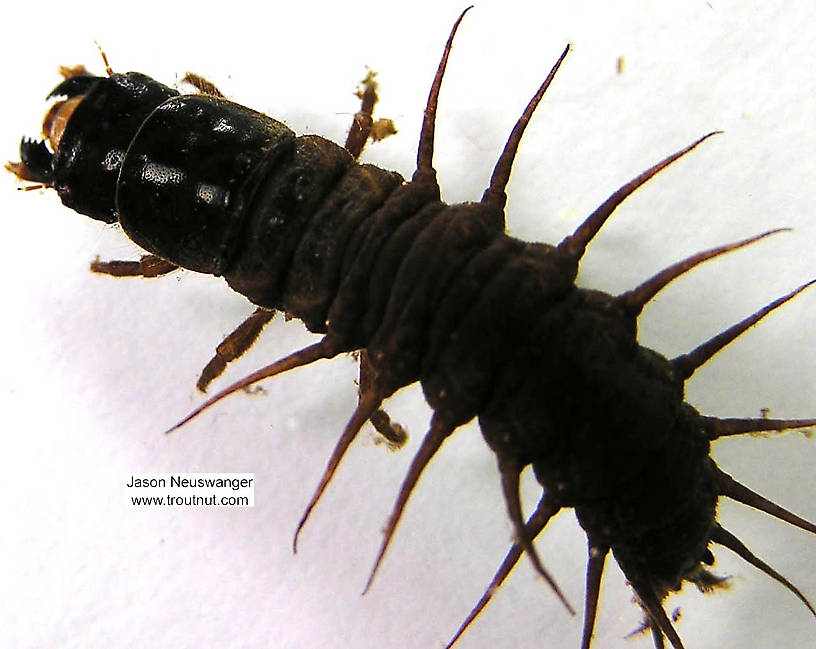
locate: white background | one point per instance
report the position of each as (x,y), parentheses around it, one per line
(94,369)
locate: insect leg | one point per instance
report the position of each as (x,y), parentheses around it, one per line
(68,71)
(325,348)
(234,346)
(245,335)
(363,126)
(391,431)
(231,348)
(358,135)
(363,119)
(204,86)
(147,266)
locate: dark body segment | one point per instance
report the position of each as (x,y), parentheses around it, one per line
(494,328)
(608,433)
(185,194)
(315,272)
(87,162)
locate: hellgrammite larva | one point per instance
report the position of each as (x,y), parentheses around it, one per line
(491,326)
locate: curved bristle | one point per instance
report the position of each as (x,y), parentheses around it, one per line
(494,195)
(545,510)
(717,428)
(595,566)
(661,624)
(439,431)
(722,536)
(575,244)
(510,473)
(634,301)
(367,405)
(305,356)
(425,170)
(739,492)
(687,364)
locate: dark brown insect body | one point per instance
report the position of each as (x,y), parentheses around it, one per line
(494,328)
